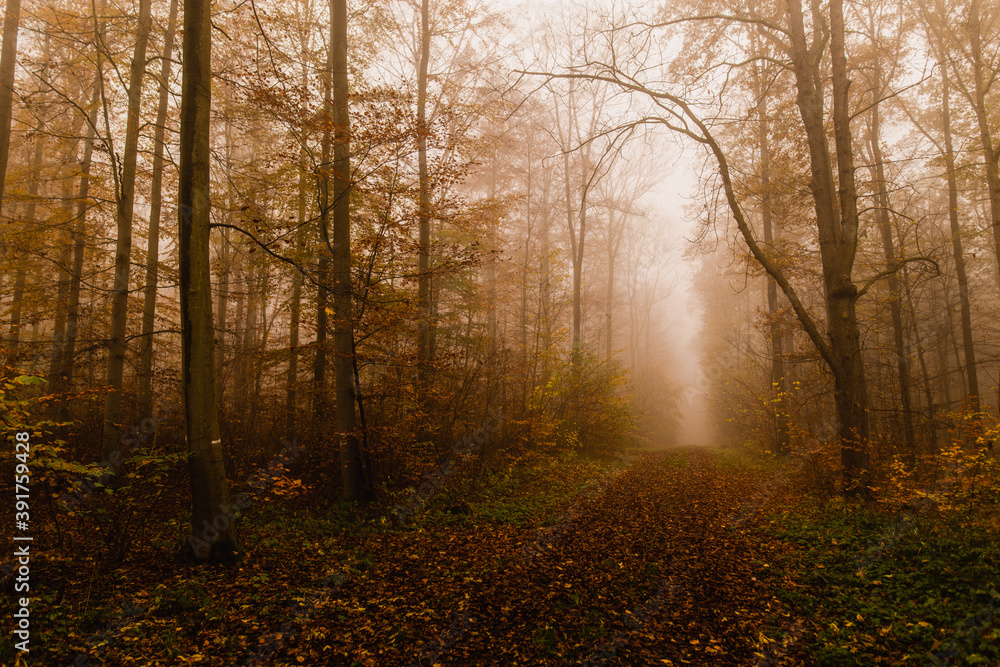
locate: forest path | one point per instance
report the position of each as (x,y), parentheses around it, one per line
(659,567)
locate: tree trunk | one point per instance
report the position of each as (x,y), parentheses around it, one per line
(65,278)
(614,243)
(837,222)
(16,312)
(230,260)
(983,110)
(123,249)
(956,245)
(214,532)
(882,207)
(8,61)
(291,399)
(578,283)
(155,208)
(350,449)
(526,262)
(545,271)
(778,382)
(424,201)
(64,377)
(17,306)
(921,358)
(491,260)
(325,205)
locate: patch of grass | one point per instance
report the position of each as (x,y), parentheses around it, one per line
(523,495)
(728,459)
(675,458)
(875,588)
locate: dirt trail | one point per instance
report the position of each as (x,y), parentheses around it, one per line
(658,569)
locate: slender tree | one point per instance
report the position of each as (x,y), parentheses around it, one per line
(882,208)
(155,209)
(350,446)
(123,247)
(424,200)
(211,515)
(8,60)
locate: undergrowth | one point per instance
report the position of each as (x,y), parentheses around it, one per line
(870,586)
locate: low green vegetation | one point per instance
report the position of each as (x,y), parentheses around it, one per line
(871,587)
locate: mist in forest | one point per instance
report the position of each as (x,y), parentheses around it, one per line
(389,300)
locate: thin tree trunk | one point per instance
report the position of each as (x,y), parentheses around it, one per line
(155,208)
(983,110)
(16,312)
(928,392)
(123,249)
(525,263)
(230,260)
(778,382)
(65,277)
(325,205)
(64,378)
(213,529)
(291,399)
(245,355)
(895,307)
(610,294)
(491,263)
(544,297)
(424,201)
(8,61)
(350,448)
(17,306)
(956,245)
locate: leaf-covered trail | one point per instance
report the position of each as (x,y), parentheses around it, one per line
(656,568)
(652,565)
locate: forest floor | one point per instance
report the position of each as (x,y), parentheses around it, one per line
(678,557)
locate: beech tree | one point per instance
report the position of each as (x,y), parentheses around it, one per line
(350,450)
(8,55)
(211,507)
(125,191)
(155,210)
